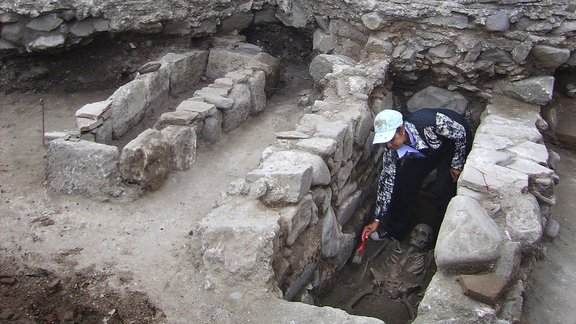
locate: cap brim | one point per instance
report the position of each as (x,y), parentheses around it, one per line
(383,137)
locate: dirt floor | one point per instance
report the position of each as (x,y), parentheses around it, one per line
(67,258)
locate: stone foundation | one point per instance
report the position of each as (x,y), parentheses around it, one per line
(78,165)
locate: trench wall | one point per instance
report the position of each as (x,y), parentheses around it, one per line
(85,161)
(464,44)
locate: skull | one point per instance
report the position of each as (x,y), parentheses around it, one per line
(421,236)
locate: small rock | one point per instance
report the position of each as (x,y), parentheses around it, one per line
(149,67)
(485,288)
(8,280)
(552,229)
(208,285)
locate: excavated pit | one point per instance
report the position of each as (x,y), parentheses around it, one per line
(118,58)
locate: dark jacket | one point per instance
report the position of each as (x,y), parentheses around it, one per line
(432,130)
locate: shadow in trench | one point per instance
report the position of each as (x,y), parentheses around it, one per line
(391,280)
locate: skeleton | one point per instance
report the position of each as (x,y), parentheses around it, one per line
(404,271)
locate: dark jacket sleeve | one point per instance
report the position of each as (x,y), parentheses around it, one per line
(385,183)
(455,131)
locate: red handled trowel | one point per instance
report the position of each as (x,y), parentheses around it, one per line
(359,254)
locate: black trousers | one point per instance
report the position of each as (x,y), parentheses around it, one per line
(410,174)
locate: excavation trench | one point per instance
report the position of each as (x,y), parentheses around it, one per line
(291,98)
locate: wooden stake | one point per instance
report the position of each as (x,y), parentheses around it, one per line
(43,112)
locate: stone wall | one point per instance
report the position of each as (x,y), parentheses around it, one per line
(459,44)
(307,200)
(281,227)
(82,163)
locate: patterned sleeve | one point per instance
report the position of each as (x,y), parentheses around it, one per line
(453,130)
(386,183)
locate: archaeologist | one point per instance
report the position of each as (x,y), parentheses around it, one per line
(416,144)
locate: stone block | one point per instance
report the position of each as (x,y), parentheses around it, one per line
(239,112)
(347,30)
(468,237)
(82,28)
(223,83)
(322,199)
(45,23)
(348,208)
(203,109)
(181,118)
(334,242)
(531,151)
(320,172)
(514,130)
(43,43)
(213,91)
(491,142)
(492,178)
(486,288)
(129,103)
(549,57)
(95,110)
(257,86)
(158,82)
(237,21)
(435,97)
(12,32)
(238,242)
(146,160)
(212,130)
(372,20)
(379,43)
(182,139)
(323,64)
(509,262)
(222,61)
(487,156)
(269,65)
(536,90)
(104,133)
(87,124)
(522,216)
(186,69)
(324,42)
(529,167)
(295,219)
(286,183)
(498,22)
(320,146)
(444,302)
(83,167)
(218,101)
(291,135)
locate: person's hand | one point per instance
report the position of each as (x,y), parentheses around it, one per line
(369,229)
(455,174)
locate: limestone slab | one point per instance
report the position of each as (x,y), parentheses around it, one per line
(203,109)
(468,237)
(531,151)
(95,110)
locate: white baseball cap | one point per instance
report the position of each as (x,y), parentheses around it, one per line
(385,125)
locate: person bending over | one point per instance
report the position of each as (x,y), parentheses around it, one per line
(416,144)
